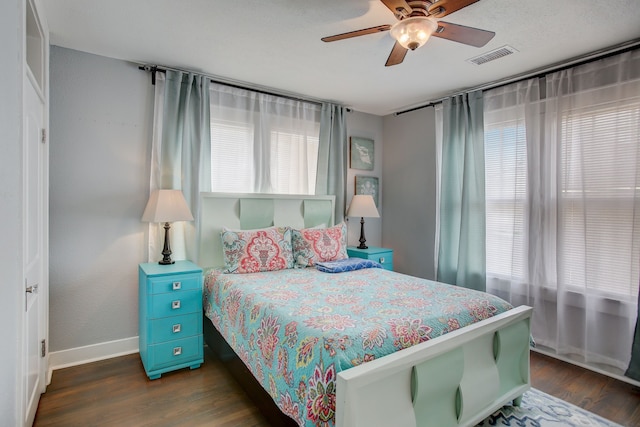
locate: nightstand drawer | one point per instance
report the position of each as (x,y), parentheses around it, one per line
(175,304)
(174,352)
(387,265)
(169,284)
(174,327)
(381,255)
(382,258)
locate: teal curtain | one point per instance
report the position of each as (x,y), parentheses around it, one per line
(633,371)
(332,157)
(461,251)
(181,152)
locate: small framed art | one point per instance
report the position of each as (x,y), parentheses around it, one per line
(368,185)
(362,153)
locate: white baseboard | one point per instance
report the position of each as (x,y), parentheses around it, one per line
(91,353)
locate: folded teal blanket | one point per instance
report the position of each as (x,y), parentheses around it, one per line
(347,264)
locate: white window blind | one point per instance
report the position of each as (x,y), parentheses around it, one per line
(597,194)
(506,197)
(598,210)
(231,151)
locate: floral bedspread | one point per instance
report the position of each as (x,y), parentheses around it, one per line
(295,329)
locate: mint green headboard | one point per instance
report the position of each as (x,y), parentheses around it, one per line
(251,211)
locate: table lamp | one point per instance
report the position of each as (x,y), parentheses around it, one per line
(166,206)
(362,205)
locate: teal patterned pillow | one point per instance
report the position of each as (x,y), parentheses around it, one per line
(312,245)
(253,251)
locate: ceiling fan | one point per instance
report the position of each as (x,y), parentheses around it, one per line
(417,22)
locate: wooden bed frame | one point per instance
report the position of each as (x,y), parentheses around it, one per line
(457,379)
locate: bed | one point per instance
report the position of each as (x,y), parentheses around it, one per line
(367,347)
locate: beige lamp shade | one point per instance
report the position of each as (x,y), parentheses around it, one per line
(167,206)
(363,205)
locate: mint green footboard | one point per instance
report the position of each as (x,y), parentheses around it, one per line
(460,386)
(457,379)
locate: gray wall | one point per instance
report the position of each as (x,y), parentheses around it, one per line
(101,121)
(366,126)
(409,169)
(11,286)
(101,115)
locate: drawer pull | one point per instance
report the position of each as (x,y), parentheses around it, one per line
(177,328)
(175,304)
(177,351)
(177,286)
(381,260)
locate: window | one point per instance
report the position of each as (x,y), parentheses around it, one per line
(595,204)
(232,170)
(262,143)
(294,162)
(506,198)
(600,185)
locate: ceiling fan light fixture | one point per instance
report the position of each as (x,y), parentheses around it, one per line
(413,32)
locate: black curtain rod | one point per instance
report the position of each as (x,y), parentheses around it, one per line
(153,68)
(535,74)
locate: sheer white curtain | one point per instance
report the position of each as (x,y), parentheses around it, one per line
(262,143)
(562,160)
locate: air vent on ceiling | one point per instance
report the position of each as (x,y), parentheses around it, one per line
(494,54)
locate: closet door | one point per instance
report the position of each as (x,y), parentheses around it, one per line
(34,285)
(35,218)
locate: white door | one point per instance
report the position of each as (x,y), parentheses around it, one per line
(34,223)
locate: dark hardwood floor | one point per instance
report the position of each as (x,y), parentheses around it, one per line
(116,392)
(612,399)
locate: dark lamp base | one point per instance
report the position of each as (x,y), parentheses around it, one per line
(166,250)
(362,239)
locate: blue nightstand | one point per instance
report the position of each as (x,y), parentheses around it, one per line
(382,255)
(170,305)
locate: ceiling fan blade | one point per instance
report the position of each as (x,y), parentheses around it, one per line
(461,34)
(443,8)
(398,7)
(357,33)
(396,56)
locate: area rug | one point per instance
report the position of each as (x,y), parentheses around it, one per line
(542,410)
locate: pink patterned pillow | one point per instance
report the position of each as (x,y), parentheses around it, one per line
(253,251)
(312,245)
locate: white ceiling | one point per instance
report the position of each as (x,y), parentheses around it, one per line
(276,43)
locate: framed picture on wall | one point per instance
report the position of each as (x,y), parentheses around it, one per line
(368,185)
(362,153)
